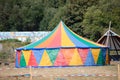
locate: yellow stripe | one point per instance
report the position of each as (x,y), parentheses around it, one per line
(95,53)
(26,54)
(76,60)
(45,61)
(65,39)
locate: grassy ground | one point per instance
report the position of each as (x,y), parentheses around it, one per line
(70,73)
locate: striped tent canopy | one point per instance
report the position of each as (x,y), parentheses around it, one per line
(62,47)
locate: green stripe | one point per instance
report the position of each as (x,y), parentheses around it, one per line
(82,40)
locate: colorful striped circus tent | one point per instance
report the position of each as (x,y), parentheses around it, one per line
(62,47)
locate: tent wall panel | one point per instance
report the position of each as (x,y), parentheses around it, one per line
(60,60)
(52,54)
(38,55)
(76,59)
(68,54)
(83,54)
(32,60)
(95,53)
(27,54)
(100,58)
(89,59)
(45,61)
(22,60)
(62,57)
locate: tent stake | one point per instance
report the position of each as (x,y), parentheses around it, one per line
(30,73)
(118,71)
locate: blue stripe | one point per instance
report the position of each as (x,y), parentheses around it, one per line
(63,48)
(79,66)
(76,42)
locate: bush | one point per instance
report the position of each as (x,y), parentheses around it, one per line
(7,54)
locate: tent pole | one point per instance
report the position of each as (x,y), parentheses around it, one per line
(109,25)
(100,38)
(107,41)
(108,35)
(115,48)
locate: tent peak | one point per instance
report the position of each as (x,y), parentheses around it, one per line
(61,22)
(111,32)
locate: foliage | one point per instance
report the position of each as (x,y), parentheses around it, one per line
(97,18)
(88,18)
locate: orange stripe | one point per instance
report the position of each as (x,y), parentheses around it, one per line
(48,41)
(56,42)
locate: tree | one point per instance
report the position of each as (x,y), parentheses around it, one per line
(48,15)
(72,14)
(21,15)
(97,18)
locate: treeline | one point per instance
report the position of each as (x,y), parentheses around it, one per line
(88,18)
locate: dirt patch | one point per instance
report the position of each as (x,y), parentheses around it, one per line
(65,73)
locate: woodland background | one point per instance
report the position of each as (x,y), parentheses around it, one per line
(88,18)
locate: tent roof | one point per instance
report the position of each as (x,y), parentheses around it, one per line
(62,37)
(113,41)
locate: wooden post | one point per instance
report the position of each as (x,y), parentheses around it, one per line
(107,40)
(118,71)
(108,34)
(30,73)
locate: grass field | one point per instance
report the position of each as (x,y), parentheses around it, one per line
(67,73)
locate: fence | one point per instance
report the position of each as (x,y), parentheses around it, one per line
(23,36)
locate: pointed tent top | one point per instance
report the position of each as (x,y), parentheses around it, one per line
(61,21)
(108,33)
(62,37)
(111,33)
